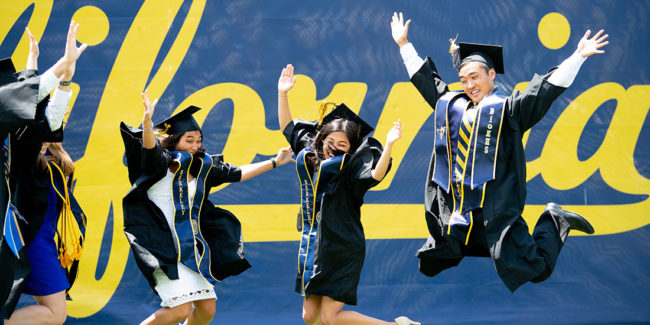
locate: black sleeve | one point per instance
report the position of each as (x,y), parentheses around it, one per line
(299,134)
(139,159)
(155,160)
(24,152)
(364,163)
(429,83)
(530,106)
(18,100)
(222,172)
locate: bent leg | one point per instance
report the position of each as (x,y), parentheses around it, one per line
(168,316)
(50,309)
(549,234)
(311,310)
(203,312)
(331,314)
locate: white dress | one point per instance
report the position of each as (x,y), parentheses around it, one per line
(190,285)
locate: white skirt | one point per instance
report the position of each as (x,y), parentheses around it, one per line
(190,286)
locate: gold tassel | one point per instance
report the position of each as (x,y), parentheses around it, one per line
(454,51)
(324,108)
(68,235)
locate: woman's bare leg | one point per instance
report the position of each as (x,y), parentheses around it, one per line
(50,309)
(203,312)
(168,316)
(331,314)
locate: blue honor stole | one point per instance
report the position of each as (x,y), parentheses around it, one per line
(14,223)
(482,153)
(311,194)
(191,247)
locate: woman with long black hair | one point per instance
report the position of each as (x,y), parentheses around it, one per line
(181,242)
(336,167)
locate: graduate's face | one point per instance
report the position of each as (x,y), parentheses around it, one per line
(190,142)
(338,140)
(476,81)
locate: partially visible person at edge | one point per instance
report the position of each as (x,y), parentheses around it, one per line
(29,255)
(476,183)
(336,167)
(181,242)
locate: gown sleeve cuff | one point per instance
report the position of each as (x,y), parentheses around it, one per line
(564,75)
(47,82)
(412,61)
(56,108)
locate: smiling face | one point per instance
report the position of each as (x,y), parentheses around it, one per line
(338,140)
(477,82)
(190,142)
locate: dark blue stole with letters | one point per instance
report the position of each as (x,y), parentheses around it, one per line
(192,248)
(482,153)
(311,194)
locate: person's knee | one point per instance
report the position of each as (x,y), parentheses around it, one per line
(206,309)
(327,318)
(309,316)
(181,312)
(59,318)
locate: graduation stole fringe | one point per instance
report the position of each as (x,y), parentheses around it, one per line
(68,236)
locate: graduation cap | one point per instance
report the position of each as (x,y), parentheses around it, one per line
(491,55)
(7,71)
(180,122)
(343,112)
(7,66)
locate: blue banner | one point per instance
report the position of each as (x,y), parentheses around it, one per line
(586,154)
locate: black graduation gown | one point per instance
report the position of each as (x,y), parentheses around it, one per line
(340,242)
(18,107)
(30,183)
(500,231)
(145,225)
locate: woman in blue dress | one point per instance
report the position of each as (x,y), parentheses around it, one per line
(336,167)
(40,179)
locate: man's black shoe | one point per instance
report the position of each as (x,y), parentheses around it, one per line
(576,221)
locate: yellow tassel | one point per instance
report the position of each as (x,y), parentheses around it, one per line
(454,51)
(324,108)
(68,235)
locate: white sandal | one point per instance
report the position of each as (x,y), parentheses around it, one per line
(403,320)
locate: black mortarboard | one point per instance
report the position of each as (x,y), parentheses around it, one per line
(180,122)
(7,66)
(491,55)
(7,71)
(343,112)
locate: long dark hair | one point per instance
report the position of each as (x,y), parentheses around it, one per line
(351,130)
(60,156)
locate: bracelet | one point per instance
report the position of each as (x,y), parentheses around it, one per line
(148,129)
(274,163)
(64,83)
(283,95)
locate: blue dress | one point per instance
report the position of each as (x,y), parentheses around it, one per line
(46,276)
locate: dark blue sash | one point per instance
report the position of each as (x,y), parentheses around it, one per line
(310,207)
(445,143)
(482,152)
(484,140)
(191,246)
